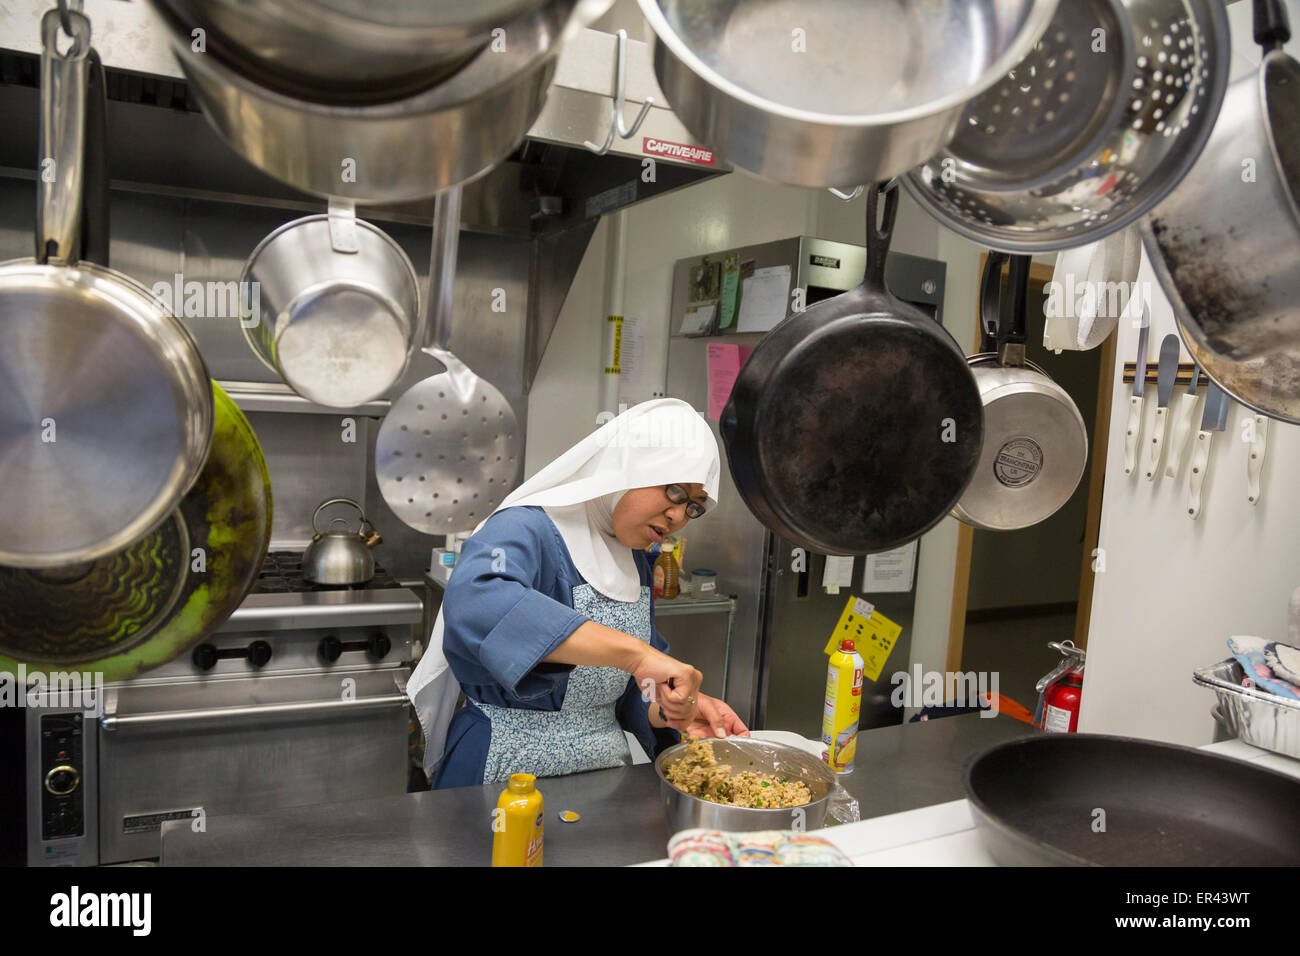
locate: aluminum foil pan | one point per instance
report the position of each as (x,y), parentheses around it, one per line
(1250,714)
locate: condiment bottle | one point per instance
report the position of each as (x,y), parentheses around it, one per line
(517,823)
(666,571)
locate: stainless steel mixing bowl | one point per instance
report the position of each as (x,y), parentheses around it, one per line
(682,811)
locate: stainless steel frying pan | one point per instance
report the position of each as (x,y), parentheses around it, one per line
(105,403)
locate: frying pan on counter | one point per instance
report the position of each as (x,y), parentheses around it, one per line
(1097,800)
(856,425)
(144,605)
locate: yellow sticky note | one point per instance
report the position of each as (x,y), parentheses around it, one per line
(873,635)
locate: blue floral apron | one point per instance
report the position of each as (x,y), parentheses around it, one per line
(584,734)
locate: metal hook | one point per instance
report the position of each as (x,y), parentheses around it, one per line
(847,197)
(616,105)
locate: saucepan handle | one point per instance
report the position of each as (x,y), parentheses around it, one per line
(1272,28)
(991,300)
(62,136)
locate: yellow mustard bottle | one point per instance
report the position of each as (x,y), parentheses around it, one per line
(843,707)
(517,823)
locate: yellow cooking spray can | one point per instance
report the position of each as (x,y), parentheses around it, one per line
(843,707)
(517,823)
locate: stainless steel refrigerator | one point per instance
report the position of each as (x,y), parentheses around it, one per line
(783,617)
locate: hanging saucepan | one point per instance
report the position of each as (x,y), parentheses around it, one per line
(855,425)
(339,305)
(340,556)
(1035,441)
(397,150)
(346,51)
(141,606)
(107,400)
(1224,244)
(1083,140)
(829,93)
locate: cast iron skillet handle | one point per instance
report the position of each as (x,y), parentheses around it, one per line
(94,204)
(991,300)
(1272,29)
(62,138)
(1011,351)
(879,236)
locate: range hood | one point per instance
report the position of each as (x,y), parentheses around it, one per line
(552,190)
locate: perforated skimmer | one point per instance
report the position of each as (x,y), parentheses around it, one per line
(448,450)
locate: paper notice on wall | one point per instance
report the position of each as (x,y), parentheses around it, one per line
(698,318)
(725,362)
(838,573)
(632,370)
(764,299)
(730,291)
(724,366)
(890,570)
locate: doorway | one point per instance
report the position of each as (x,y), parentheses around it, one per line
(1014,591)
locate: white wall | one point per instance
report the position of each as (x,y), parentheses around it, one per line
(1175,589)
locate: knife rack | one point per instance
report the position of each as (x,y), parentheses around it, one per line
(1184,377)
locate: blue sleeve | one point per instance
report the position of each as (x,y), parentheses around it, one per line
(633,711)
(494,615)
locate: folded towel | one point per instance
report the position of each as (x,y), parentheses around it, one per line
(1250,654)
(700,847)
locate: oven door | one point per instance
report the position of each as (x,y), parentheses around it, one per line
(195,749)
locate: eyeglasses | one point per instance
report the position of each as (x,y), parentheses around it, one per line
(678,496)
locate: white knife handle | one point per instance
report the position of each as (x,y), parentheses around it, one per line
(1133,432)
(1182,426)
(1200,461)
(1256,460)
(1152,457)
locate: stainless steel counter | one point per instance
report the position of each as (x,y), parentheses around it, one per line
(898,768)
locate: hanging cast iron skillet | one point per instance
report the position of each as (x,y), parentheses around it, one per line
(1035,803)
(856,425)
(147,603)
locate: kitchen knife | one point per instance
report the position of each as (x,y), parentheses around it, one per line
(1183,424)
(1135,400)
(1213,419)
(1165,376)
(1256,460)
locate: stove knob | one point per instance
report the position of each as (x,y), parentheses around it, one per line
(330,648)
(259,652)
(62,780)
(380,645)
(204,657)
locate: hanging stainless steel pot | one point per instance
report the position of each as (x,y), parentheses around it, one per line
(346,50)
(1224,245)
(340,557)
(397,150)
(107,402)
(1156,123)
(339,306)
(833,92)
(1035,441)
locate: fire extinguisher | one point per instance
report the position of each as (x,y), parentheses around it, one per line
(1061,690)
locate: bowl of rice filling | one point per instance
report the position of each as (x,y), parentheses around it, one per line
(739,783)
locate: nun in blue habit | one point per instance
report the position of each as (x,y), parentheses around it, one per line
(547,623)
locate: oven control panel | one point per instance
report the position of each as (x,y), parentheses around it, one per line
(62,772)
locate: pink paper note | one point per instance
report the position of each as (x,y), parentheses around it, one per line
(724,366)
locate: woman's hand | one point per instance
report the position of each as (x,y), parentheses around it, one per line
(670,683)
(713,718)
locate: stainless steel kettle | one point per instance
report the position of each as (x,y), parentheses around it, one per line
(340,557)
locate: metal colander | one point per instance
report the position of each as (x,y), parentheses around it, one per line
(1003,184)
